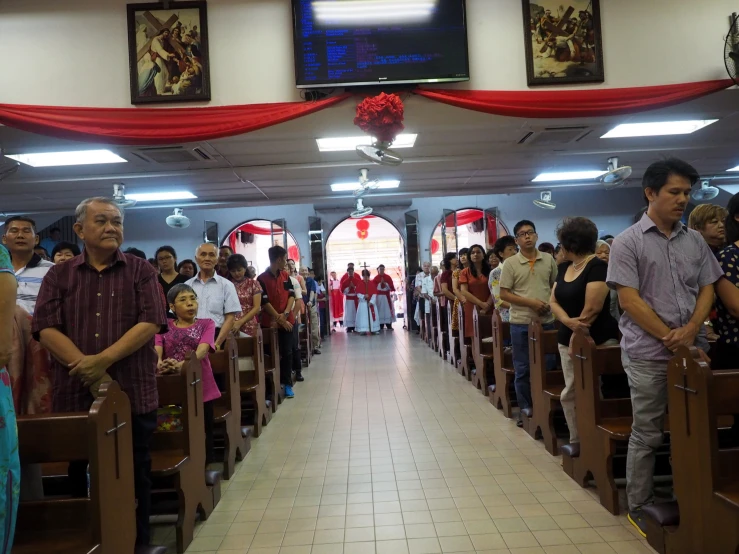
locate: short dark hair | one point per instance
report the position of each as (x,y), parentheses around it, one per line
(463,252)
(165,249)
(226,246)
(135,252)
(606,237)
(365,272)
(657,174)
(640,214)
(523,223)
(276,252)
(39,247)
(547,247)
(235,261)
(14,218)
(502,243)
(446,263)
(187,261)
(176,290)
(731,225)
(53,229)
(578,235)
(65,246)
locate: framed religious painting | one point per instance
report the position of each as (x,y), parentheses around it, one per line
(168,52)
(563,42)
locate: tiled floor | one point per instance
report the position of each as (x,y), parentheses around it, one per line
(384,449)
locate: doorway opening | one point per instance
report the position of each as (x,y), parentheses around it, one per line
(255,237)
(369,242)
(463,228)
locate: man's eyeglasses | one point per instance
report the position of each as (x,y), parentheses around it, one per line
(524,234)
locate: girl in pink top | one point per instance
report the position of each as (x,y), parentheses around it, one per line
(187,334)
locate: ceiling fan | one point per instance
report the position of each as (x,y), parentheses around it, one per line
(365,184)
(379,153)
(705,193)
(616,176)
(119,196)
(545,202)
(360,211)
(178,220)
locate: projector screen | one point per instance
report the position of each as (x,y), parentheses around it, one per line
(370,42)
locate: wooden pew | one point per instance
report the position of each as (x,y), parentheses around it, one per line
(464,365)
(453,338)
(504,395)
(249,358)
(274,395)
(178,457)
(546,387)
(442,331)
(434,326)
(482,352)
(603,425)
(227,408)
(305,340)
(104,523)
(705,464)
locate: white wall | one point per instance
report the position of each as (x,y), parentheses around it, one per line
(74,52)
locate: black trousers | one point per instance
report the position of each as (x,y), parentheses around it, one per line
(297,362)
(285,345)
(142,428)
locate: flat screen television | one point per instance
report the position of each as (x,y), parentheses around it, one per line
(371,42)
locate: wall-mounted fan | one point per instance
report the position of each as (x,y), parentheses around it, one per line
(360,211)
(545,201)
(7,166)
(379,153)
(119,196)
(616,175)
(705,193)
(365,184)
(178,220)
(731,50)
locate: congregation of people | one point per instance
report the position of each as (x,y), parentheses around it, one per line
(85,318)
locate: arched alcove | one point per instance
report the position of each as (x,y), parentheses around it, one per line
(253,239)
(473,226)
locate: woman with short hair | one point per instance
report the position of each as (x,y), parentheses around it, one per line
(64,251)
(580,300)
(188,268)
(709,221)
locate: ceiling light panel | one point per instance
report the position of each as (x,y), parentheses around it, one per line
(160,196)
(77,157)
(658,128)
(568,176)
(350,187)
(345,144)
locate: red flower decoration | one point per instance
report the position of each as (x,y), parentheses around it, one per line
(381,116)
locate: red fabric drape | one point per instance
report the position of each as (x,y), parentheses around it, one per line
(254,230)
(464,217)
(575,103)
(137,126)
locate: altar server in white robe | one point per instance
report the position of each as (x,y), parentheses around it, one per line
(367,316)
(385,298)
(349,285)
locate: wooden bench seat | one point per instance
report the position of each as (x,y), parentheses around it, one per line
(434,327)
(252,381)
(465,362)
(104,523)
(274,392)
(306,340)
(453,338)
(442,330)
(503,396)
(482,352)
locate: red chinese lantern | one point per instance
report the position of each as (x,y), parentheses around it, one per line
(362,234)
(434,246)
(363,225)
(292,252)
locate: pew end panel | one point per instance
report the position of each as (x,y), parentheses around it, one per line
(504,395)
(252,382)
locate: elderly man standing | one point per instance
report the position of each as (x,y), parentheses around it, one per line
(97,315)
(217,298)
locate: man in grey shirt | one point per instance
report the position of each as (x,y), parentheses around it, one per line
(664,275)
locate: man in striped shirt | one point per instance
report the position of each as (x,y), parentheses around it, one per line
(20,238)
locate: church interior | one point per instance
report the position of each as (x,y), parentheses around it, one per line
(421,136)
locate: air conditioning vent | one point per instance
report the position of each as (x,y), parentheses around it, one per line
(555,135)
(173,155)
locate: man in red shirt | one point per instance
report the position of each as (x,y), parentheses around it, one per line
(97,315)
(278,300)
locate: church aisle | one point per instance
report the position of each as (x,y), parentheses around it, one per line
(384,449)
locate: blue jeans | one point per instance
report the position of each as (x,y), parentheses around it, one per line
(520,340)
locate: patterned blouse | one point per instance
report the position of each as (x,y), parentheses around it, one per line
(246,290)
(726,326)
(494,283)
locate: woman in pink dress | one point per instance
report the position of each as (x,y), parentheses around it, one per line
(249,292)
(187,334)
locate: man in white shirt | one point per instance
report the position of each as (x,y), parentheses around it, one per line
(217,298)
(20,238)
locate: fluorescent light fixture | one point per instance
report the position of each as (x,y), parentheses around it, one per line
(568,176)
(159,196)
(77,157)
(658,128)
(373,12)
(344,144)
(350,187)
(734,168)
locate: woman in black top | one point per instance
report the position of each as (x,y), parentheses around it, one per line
(168,276)
(580,301)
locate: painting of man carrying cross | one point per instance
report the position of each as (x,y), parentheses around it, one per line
(563,42)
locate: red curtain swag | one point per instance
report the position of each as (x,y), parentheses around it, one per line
(464,217)
(575,103)
(137,126)
(249,228)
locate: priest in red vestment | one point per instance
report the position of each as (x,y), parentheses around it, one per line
(367,320)
(349,285)
(336,299)
(385,298)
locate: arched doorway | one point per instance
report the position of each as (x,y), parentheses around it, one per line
(254,238)
(463,228)
(369,241)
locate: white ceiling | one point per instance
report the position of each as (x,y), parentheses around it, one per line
(457,152)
